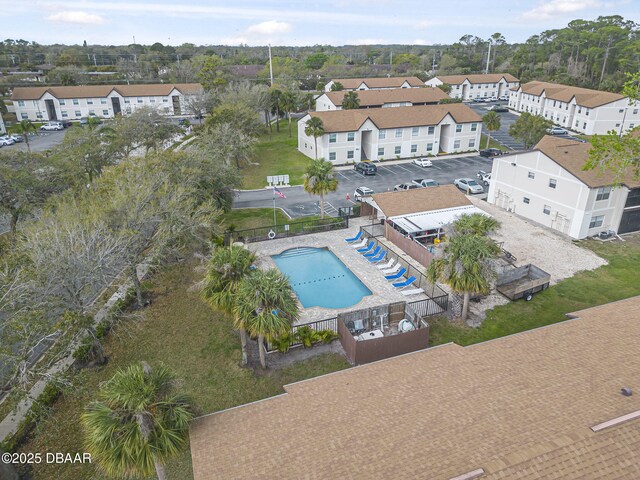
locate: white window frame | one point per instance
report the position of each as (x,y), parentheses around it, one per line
(333,137)
(603,193)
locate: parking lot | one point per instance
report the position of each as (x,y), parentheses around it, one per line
(39,142)
(506,120)
(298,203)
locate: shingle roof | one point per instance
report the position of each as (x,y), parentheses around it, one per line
(98,91)
(520,407)
(585,97)
(420,200)
(476,78)
(391,95)
(397,117)
(382,82)
(572,156)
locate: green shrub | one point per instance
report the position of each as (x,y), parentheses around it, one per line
(326,336)
(103,328)
(306,336)
(283,343)
(83,352)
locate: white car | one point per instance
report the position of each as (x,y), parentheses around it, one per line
(52,126)
(362,192)
(6,140)
(426,182)
(17,138)
(422,162)
(468,185)
(504,98)
(406,186)
(484,177)
(492,99)
(557,131)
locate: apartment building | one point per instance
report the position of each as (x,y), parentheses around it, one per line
(468,87)
(375,83)
(383,98)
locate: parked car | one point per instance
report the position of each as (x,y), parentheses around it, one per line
(406,186)
(67,123)
(365,168)
(52,126)
(426,182)
(557,131)
(422,162)
(17,138)
(484,177)
(490,152)
(478,100)
(85,120)
(362,192)
(468,185)
(492,99)
(504,98)
(6,140)
(498,108)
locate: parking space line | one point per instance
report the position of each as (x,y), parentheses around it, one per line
(342,174)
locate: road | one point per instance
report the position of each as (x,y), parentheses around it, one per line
(299,203)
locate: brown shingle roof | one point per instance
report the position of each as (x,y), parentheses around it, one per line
(572,155)
(520,407)
(392,95)
(97,91)
(477,78)
(420,200)
(585,97)
(397,117)
(382,82)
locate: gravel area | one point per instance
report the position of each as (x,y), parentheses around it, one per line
(530,242)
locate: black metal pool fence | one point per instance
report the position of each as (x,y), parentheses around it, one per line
(293,229)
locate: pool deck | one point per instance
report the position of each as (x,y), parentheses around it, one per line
(381,289)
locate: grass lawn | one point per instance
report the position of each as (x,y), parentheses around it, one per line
(179,330)
(614,281)
(244,218)
(277,155)
(492,143)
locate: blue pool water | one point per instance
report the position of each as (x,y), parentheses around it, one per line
(320,279)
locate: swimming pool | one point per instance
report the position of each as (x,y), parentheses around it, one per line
(319,278)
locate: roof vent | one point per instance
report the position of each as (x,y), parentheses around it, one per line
(627,392)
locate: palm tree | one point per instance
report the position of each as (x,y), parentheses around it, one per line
(315,129)
(138,423)
(475,224)
(465,266)
(267,305)
(226,269)
(288,104)
(320,180)
(24,128)
(491,122)
(350,101)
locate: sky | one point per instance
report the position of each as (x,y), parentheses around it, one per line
(296,23)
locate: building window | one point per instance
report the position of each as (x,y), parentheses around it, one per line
(382,134)
(414,148)
(39,115)
(381,151)
(552,183)
(603,193)
(61,102)
(105,112)
(78,113)
(76,101)
(429,147)
(398,133)
(474,127)
(617,125)
(531,175)
(332,138)
(165,100)
(351,136)
(415,131)
(103,101)
(525,200)
(458,128)
(89,101)
(332,156)
(621,110)
(584,125)
(92,112)
(596,221)
(472,143)
(24,116)
(152,100)
(349,154)
(431,130)
(635,111)
(126,100)
(546,210)
(64,114)
(21,103)
(397,150)
(139,99)
(456,144)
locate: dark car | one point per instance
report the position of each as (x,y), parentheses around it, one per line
(66,123)
(498,108)
(365,168)
(490,152)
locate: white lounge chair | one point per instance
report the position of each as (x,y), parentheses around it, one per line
(360,245)
(389,271)
(413,291)
(387,265)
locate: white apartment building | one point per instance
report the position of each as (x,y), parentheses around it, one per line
(383,98)
(468,87)
(375,83)
(389,133)
(548,186)
(106,101)
(579,109)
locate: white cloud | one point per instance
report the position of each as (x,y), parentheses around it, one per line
(269,28)
(555,8)
(420,41)
(82,18)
